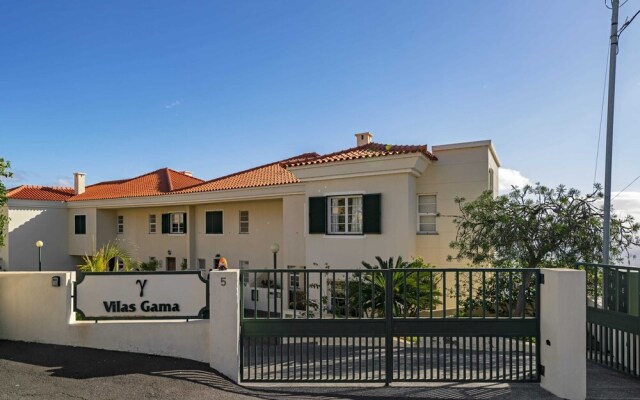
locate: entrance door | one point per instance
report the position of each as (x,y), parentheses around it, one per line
(171,263)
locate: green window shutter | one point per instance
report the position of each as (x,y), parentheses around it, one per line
(208,219)
(213,221)
(166,223)
(371,213)
(184,218)
(317,215)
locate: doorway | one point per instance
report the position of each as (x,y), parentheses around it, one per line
(171,263)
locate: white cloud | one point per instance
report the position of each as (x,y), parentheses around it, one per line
(63,182)
(172,104)
(511,177)
(627,203)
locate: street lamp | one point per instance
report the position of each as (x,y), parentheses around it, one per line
(274,249)
(39,245)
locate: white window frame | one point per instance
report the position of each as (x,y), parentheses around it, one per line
(347,226)
(153,226)
(434,214)
(178,231)
(241,221)
(120,224)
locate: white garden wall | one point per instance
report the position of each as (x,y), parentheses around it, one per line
(32,310)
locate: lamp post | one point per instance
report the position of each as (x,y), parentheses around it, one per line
(274,249)
(39,245)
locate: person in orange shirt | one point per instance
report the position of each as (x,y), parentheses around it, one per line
(222,264)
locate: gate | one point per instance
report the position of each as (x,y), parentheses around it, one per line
(384,325)
(613,316)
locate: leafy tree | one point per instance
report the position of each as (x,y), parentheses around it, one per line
(4,219)
(100,261)
(413,291)
(537,227)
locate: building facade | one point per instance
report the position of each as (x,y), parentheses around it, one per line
(333,210)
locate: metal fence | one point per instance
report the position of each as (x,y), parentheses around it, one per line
(613,316)
(383,325)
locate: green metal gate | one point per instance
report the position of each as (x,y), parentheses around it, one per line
(384,325)
(613,316)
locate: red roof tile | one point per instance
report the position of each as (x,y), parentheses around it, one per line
(366,151)
(162,181)
(264,175)
(45,193)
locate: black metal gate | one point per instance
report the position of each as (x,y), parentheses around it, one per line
(383,325)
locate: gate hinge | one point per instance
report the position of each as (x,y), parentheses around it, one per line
(542,279)
(541,370)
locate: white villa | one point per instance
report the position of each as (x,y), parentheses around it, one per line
(336,209)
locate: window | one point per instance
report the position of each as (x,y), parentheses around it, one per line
(174,223)
(152,223)
(80,224)
(427,213)
(244,222)
(202,263)
(345,215)
(213,222)
(120,228)
(491,179)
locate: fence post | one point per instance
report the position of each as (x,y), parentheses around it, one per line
(388,314)
(563,321)
(224,319)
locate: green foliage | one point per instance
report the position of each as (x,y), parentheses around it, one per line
(149,266)
(412,291)
(99,262)
(4,219)
(539,227)
(500,294)
(183,264)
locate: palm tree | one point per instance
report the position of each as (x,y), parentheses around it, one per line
(413,286)
(99,262)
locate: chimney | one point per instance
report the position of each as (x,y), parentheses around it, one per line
(187,173)
(79,182)
(363,138)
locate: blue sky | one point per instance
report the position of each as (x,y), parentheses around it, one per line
(117,89)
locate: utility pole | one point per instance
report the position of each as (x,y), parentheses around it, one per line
(606,235)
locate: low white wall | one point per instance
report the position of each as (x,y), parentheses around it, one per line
(32,310)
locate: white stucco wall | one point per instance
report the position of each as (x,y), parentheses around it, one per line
(459,172)
(348,251)
(31,310)
(31,221)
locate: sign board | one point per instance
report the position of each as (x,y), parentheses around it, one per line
(141,295)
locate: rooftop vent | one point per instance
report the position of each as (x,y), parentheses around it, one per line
(79,182)
(363,138)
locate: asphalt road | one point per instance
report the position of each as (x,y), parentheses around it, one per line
(36,371)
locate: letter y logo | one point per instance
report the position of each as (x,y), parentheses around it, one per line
(142,284)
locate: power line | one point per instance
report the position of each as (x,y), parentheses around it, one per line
(628,22)
(604,89)
(626,187)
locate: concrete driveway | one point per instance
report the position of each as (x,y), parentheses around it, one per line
(37,371)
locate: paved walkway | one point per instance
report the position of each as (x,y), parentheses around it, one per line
(38,371)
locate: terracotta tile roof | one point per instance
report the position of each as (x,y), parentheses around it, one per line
(366,151)
(264,175)
(45,193)
(162,181)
